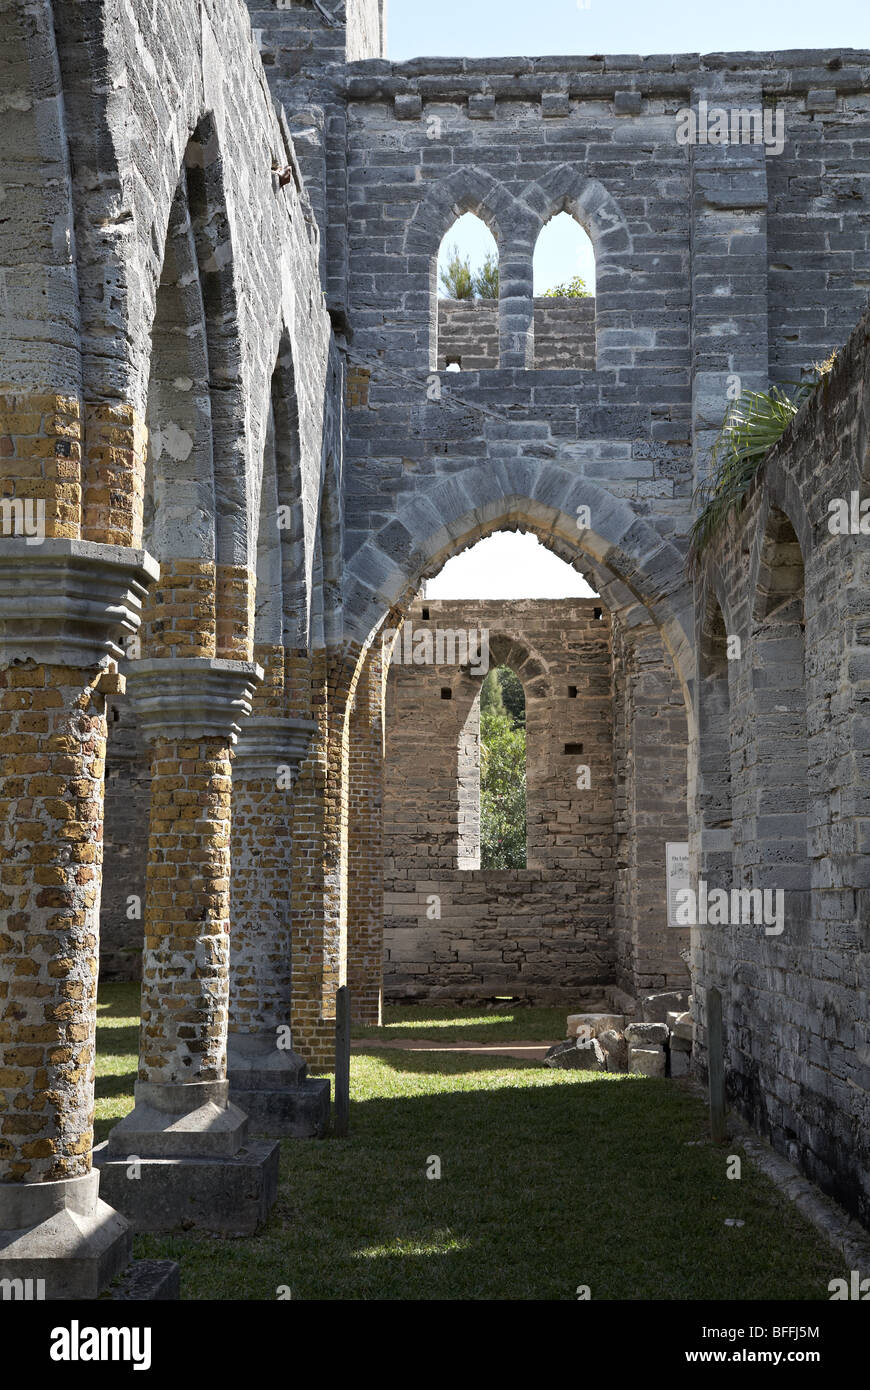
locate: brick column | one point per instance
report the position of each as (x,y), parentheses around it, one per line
(189,710)
(268,1079)
(320,861)
(65,608)
(365,906)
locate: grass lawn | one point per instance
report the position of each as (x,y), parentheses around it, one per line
(455,1023)
(549,1180)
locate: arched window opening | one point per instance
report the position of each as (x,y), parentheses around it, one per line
(468,271)
(564,280)
(502,771)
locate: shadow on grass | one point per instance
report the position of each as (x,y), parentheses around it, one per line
(446,1063)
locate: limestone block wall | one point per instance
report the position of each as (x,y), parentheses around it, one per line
(564,333)
(793,814)
(545,932)
(650,754)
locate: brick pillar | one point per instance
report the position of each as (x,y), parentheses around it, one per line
(267,1078)
(189,710)
(320,861)
(65,608)
(365,906)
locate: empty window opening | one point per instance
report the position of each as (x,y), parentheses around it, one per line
(446,692)
(572,692)
(573,748)
(467,303)
(502,771)
(564,287)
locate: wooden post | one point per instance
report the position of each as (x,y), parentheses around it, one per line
(342,1061)
(716,1065)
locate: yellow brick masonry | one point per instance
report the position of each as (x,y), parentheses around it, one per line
(365,907)
(41,456)
(320,860)
(262,839)
(52,756)
(185,970)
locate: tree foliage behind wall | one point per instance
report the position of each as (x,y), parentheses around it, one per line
(502,771)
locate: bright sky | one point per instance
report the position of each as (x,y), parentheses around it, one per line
(507,28)
(514,566)
(508,565)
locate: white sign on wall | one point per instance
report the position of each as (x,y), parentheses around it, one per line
(677,875)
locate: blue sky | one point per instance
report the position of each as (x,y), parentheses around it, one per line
(509,566)
(504,28)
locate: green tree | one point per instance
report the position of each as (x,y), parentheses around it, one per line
(571,289)
(456,276)
(502,772)
(513,696)
(486,279)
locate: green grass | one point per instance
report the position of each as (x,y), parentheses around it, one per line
(549,1180)
(455,1023)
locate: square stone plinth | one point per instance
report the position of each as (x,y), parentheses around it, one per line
(227,1196)
(293,1112)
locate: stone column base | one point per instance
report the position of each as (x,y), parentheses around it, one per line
(60,1240)
(271,1085)
(226,1196)
(182,1159)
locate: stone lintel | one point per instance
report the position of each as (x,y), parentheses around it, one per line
(192,697)
(70,602)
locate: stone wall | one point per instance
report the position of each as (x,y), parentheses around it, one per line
(786,701)
(564,332)
(543,932)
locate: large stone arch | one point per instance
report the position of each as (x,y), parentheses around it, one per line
(537,496)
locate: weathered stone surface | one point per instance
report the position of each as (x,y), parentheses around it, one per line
(646,1034)
(593,1025)
(588,1056)
(615,1049)
(680,1063)
(647,1061)
(231,1196)
(656,1007)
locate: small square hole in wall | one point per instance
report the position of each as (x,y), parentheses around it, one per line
(425,615)
(596,613)
(573,747)
(446,692)
(572,692)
